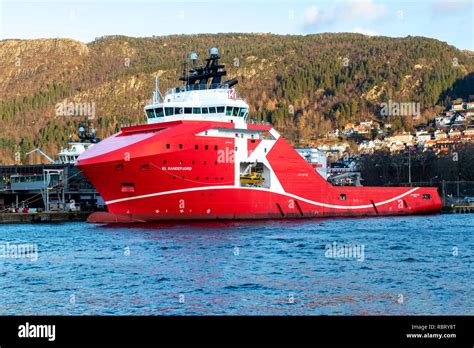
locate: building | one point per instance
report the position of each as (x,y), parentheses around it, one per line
(439,134)
(422,137)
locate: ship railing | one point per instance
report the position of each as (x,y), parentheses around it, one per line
(197,87)
(263,123)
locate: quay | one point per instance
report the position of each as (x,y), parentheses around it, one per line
(44,217)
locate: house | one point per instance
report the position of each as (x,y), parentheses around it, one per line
(361,130)
(469,133)
(403,137)
(439,134)
(443,121)
(457,107)
(429,144)
(469,105)
(453,134)
(422,136)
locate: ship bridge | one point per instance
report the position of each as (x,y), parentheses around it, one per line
(202,97)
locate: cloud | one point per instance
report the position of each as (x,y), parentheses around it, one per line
(364,9)
(368,32)
(451,6)
(311,15)
(353,11)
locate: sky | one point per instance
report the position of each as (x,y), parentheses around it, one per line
(451,21)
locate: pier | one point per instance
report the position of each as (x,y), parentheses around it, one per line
(46,193)
(44,217)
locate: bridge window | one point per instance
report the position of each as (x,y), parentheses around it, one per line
(178,111)
(205,110)
(188,110)
(235,112)
(220,109)
(159,112)
(243,112)
(196,110)
(169,111)
(228,110)
(212,110)
(150,113)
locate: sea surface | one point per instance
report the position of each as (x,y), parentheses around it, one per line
(397,266)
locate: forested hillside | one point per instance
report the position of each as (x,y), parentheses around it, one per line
(304,85)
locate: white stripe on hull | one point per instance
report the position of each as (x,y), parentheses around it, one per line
(264,190)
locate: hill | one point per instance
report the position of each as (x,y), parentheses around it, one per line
(304,85)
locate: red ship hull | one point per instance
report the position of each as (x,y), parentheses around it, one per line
(177,171)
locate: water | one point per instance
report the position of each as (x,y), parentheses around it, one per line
(410,265)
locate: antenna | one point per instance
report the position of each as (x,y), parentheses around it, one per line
(156,95)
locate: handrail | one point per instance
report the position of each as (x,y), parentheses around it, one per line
(197,87)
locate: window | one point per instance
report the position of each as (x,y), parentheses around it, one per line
(342,196)
(205,110)
(212,110)
(169,111)
(180,146)
(164,162)
(206,147)
(228,110)
(159,112)
(188,110)
(167,146)
(196,110)
(150,113)
(220,109)
(196,147)
(235,112)
(215,147)
(243,112)
(178,111)
(426,196)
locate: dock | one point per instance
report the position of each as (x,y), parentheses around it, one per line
(44,217)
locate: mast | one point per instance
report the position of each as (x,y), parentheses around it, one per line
(207,76)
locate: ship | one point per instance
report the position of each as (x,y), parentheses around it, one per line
(200,156)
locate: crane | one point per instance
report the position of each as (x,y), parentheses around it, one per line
(43,153)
